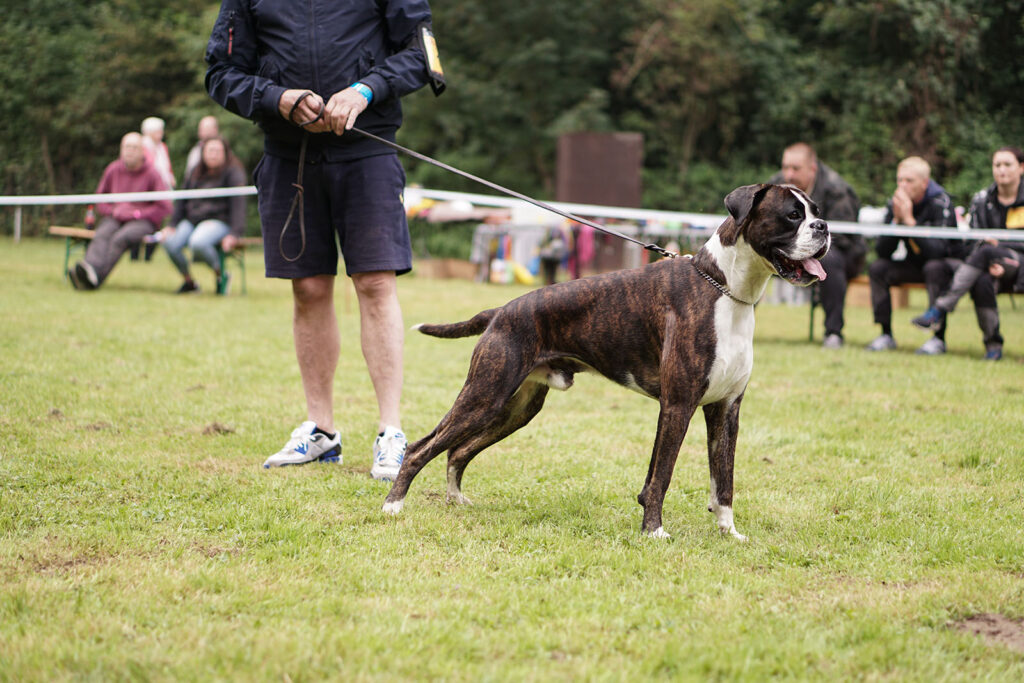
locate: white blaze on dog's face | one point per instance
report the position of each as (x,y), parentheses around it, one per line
(798,262)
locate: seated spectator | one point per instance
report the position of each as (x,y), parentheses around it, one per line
(203,224)
(837,202)
(918,200)
(994,266)
(156,149)
(208,128)
(122,224)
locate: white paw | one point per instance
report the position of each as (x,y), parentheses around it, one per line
(458,498)
(659,533)
(731,531)
(392,508)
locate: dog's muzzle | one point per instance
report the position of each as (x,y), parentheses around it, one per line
(804,271)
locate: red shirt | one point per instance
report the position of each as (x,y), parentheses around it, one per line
(117,178)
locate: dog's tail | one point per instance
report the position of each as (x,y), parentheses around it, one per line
(475,325)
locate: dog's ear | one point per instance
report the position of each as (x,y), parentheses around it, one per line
(741,201)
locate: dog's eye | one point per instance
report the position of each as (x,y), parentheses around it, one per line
(795,215)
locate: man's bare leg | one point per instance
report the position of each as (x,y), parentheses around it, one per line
(317,344)
(382,337)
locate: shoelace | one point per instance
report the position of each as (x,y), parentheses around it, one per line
(297,437)
(391,451)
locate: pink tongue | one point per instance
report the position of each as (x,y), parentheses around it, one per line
(813,266)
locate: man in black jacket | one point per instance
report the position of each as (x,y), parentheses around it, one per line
(305,72)
(918,200)
(837,202)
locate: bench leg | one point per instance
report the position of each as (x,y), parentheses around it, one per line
(67,256)
(241,267)
(814,303)
(239,256)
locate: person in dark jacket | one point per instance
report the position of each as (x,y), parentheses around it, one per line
(994,265)
(305,72)
(918,200)
(837,202)
(203,224)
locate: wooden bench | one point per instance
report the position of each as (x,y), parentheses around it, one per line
(75,238)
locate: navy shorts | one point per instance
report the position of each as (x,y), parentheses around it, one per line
(355,205)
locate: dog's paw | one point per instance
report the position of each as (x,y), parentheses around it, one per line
(458,498)
(392,508)
(658,533)
(731,531)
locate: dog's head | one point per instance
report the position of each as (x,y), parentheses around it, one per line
(783,227)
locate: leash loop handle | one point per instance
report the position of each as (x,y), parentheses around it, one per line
(298,201)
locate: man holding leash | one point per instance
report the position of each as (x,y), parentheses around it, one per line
(305,74)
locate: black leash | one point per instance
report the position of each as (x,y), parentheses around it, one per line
(512,193)
(297,200)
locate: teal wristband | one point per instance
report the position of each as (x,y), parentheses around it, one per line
(363,90)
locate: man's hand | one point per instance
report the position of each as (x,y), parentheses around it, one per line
(307,110)
(229,243)
(903,208)
(343,108)
(997,270)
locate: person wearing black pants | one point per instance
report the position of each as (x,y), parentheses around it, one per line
(994,265)
(918,200)
(836,201)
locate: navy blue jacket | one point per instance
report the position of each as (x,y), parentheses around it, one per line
(935,209)
(260,48)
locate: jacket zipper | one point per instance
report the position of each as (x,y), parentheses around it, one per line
(231,32)
(313,49)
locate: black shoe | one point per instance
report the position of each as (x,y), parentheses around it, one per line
(85,275)
(929,320)
(188,287)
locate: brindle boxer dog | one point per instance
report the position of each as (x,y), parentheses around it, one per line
(679,330)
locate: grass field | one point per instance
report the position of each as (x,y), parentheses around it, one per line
(141,540)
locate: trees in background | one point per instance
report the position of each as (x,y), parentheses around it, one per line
(717,87)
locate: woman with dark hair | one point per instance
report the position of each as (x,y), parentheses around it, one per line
(997,207)
(204,223)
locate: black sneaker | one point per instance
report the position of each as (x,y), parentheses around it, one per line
(929,320)
(85,275)
(188,287)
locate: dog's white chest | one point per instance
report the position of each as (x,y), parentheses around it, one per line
(734,351)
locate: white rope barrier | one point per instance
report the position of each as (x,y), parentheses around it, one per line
(693,221)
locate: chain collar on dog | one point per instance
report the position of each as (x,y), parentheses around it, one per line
(718,285)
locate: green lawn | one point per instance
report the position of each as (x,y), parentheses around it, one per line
(141,540)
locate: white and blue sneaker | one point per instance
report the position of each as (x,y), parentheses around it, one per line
(307,445)
(388,454)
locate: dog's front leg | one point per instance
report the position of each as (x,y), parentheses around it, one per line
(673,421)
(723,422)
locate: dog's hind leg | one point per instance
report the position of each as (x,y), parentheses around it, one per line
(494,376)
(523,406)
(723,421)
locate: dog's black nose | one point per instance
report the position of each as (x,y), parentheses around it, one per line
(819,226)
